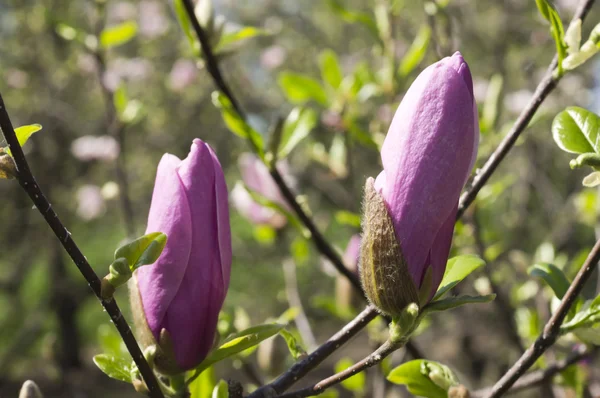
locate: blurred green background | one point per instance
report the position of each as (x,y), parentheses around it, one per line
(534,208)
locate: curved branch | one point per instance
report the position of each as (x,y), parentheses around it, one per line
(29,184)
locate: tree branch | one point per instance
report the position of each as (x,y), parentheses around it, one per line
(545,87)
(373,359)
(29,184)
(551,330)
(533,379)
(301,368)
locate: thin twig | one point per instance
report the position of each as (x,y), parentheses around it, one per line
(301,320)
(552,328)
(29,184)
(301,368)
(115,128)
(373,359)
(545,87)
(537,377)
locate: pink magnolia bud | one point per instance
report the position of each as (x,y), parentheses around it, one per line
(257,178)
(180,295)
(427,157)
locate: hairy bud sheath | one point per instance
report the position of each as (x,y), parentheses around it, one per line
(411,207)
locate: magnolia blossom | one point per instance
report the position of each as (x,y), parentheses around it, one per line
(177,299)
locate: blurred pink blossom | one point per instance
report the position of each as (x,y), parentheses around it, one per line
(272,57)
(90,203)
(91,147)
(152,19)
(17,78)
(182,74)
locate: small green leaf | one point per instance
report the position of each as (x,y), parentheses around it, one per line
(457,269)
(557,30)
(116,368)
(221,390)
(355,383)
(117,35)
(295,349)
(453,302)
(237,343)
(575,130)
(142,251)
(354,16)
(297,127)
(489,115)
(416,382)
(184,21)
(229,39)
(120,99)
(203,386)
(110,341)
(236,124)
(416,52)
(331,72)
(300,89)
(23,133)
(344,217)
(300,250)
(553,276)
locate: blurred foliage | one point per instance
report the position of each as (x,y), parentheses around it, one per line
(335,72)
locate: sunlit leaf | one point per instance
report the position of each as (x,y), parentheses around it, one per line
(114,367)
(575,130)
(297,127)
(553,276)
(453,302)
(247,32)
(417,383)
(203,386)
(142,251)
(331,72)
(221,390)
(457,269)
(117,35)
(295,349)
(416,51)
(300,89)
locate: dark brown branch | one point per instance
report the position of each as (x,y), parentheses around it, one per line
(29,184)
(373,359)
(533,379)
(552,328)
(301,368)
(545,87)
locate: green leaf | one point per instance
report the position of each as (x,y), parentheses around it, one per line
(221,390)
(344,217)
(457,269)
(237,343)
(236,124)
(116,368)
(331,72)
(295,349)
(142,251)
(557,30)
(489,115)
(117,35)
(120,99)
(416,52)
(417,383)
(553,276)
(23,133)
(297,127)
(203,386)
(453,302)
(300,89)
(184,21)
(354,16)
(229,39)
(575,130)
(110,341)
(355,383)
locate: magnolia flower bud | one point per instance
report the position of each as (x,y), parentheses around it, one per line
(176,301)
(411,207)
